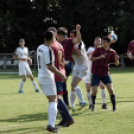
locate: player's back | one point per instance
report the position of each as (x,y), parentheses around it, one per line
(44,57)
(81,62)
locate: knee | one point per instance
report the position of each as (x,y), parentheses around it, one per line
(32,78)
(24,79)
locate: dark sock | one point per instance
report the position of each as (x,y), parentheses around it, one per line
(63,110)
(65,94)
(113,101)
(93,99)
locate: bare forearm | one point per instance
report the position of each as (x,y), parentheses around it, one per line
(95,58)
(78,36)
(54,70)
(15,57)
(117,62)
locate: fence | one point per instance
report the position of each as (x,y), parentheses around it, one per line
(7,62)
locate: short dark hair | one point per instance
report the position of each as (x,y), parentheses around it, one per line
(97,38)
(74,32)
(21,39)
(48,35)
(52,29)
(107,39)
(62,31)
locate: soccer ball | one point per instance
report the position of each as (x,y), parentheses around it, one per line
(113,37)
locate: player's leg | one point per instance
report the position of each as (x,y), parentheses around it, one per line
(29,73)
(34,83)
(49,89)
(103,95)
(22,84)
(95,83)
(65,91)
(108,82)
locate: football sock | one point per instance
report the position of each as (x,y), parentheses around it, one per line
(89,95)
(79,93)
(63,110)
(34,84)
(103,95)
(52,113)
(113,101)
(65,94)
(93,99)
(72,98)
(21,85)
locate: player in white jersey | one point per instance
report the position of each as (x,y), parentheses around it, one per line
(21,54)
(80,70)
(46,71)
(87,79)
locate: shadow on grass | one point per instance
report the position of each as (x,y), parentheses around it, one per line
(25,130)
(29,118)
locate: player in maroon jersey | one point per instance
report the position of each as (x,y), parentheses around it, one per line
(101,58)
(58,50)
(68,45)
(130,51)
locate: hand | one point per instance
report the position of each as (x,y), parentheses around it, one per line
(117,57)
(78,27)
(102,56)
(131,57)
(64,78)
(23,59)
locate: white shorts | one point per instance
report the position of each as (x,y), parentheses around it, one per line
(79,73)
(24,70)
(87,79)
(47,86)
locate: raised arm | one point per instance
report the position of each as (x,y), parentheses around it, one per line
(78,35)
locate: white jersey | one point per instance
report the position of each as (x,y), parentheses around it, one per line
(45,57)
(81,62)
(22,53)
(90,49)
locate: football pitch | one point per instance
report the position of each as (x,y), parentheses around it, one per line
(27,113)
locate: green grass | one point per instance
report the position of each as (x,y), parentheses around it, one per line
(27,113)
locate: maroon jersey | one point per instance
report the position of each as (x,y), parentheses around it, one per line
(101,67)
(59,59)
(131,47)
(68,49)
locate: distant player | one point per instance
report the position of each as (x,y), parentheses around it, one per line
(58,50)
(101,58)
(80,70)
(21,54)
(87,79)
(130,51)
(46,71)
(68,44)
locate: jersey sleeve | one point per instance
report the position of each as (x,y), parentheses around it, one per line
(16,52)
(48,56)
(130,48)
(90,49)
(96,52)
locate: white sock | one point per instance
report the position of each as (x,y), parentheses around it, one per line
(72,98)
(21,85)
(34,84)
(89,95)
(103,95)
(79,93)
(52,113)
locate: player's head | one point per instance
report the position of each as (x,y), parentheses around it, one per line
(21,42)
(49,37)
(97,41)
(53,29)
(73,34)
(61,33)
(106,41)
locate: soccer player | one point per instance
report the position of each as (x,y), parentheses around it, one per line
(58,50)
(101,58)
(21,54)
(87,80)
(80,70)
(130,51)
(68,44)
(46,71)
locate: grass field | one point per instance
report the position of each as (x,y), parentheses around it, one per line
(27,113)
